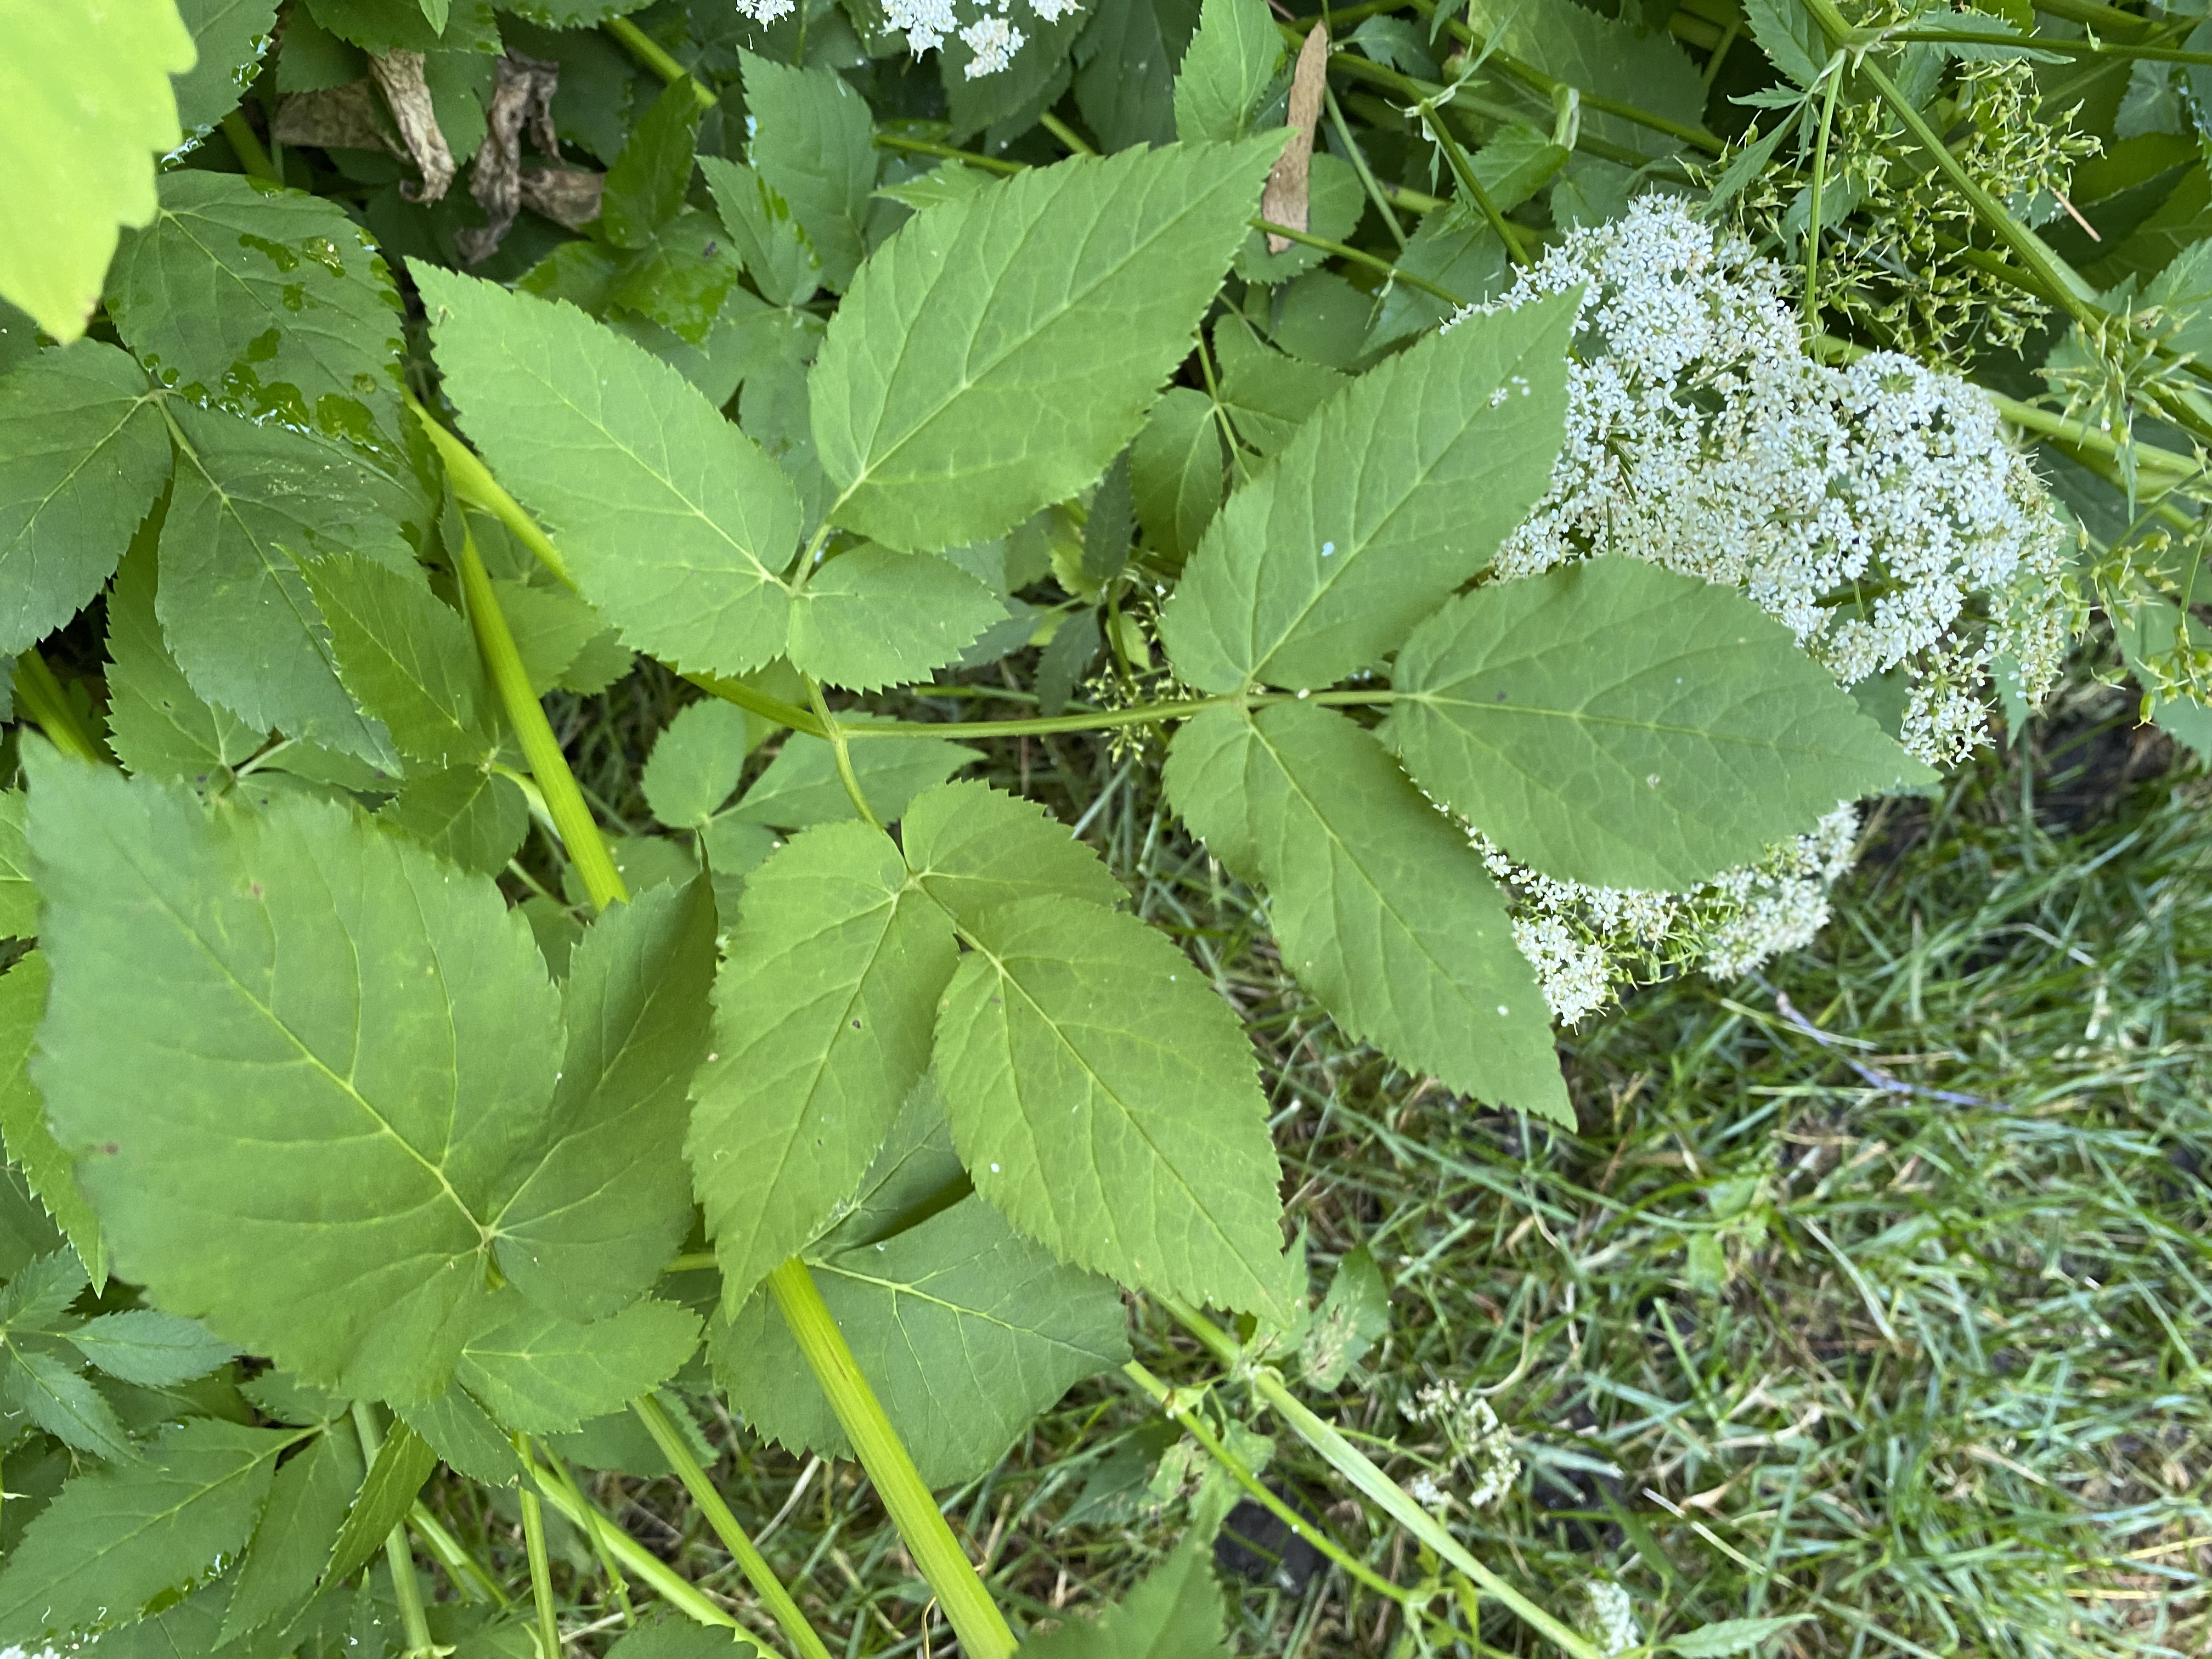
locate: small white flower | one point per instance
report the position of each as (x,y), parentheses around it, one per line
(994,41)
(1613,1623)
(1053,10)
(925,22)
(761,11)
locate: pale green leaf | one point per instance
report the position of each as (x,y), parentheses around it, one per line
(801,787)
(1393,496)
(873,618)
(306,1506)
(681,281)
(19,897)
(997,352)
(675,525)
(268,302)
(609,1200)
(157,724)
(1175,1612)
(673,1637)
(85,108)
(408,657)
(1228,75)
(822,1016)
(151,1348)
(279,1394)
(1730,1636)
(251,505)
(1380,905)
(1175,472)
(766,235)
(1609,55)
(82,455)
(814,144)
(645,187)
(465,1440)
(46,1168)
(403,1464)
(1106,1100)
(232,37)
(475,817)
(971,847)
(1352,1318)
(695,762)
(117,1537)
(948,181)
(1613,723)
(353,1038)
(540,1374)
(1268,396)
(965,1330)
(49,1391)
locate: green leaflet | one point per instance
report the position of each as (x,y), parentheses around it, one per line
(673,1637)
(1267,395)
(406,655)
(464,1438)
(233,36)
(1603,55)
(695,762)
(681,279)
(601,1211)
(157,724)
(299,1524)
(1393,494)
(82,455)
(401,1465)
(1617,724)
(1175,1613)
(31,1145)
(317,1178)
(18,898)
(1012,98)
(558,635)
(264,302)
(475,817)
(674,523)
(645,187)
(1382,908)
(971,847)
(801,787)
(153,1349)
(85,108)
(541,1374)
(821,1028)
(1175,472)
(119,1536)
(1353,1317)
(871,618)
(764,231)
(47,1390)
(814,144)
(380,26)
(251,505)
(999,351)
(965,1330)
(1105,1100)
(1228,75)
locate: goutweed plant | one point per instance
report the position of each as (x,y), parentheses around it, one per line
(372,1108)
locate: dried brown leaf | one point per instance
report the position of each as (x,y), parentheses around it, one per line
(523,98)
(1284,202)
(407,95)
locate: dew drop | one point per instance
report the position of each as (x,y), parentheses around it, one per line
(1328,550)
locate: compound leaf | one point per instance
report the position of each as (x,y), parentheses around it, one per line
(814,144)
(541,1374)
(873,618)
(117,1537)
(822,1015)
(49,1391)
(1105,1099)
(999,350)
(466,1441)
(1393,494)
(1382,908)
(674,523)
(1617,724)
(971,847)
(82,455)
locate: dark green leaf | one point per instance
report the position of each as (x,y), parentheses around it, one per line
(1175,472)
(465,1440)
(232,36)
(153,1349)
(1125,69)
(801,787)
(814,144)
(46,1167)
(765,233)
(408,658)
(645,187)
(1268,396)
(307,1507)
(473,816)
(157,724)
(403,1464)
(1175,1613)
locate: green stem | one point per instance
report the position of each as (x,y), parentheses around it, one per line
(1367,180)
(39,696)
(997,164)
(968,1607)
(473,482)
(754,700)
(765,1584)
(579,832)
(835,734)
(2076,48)
(1106,720)
(650,52)
(1067,134)
(464,1568)
(2091,14)
(1372,261)
(413,1621)
(1835,73)
(247,148)
(596,1526)
(1348,1461)
(648,1568)
(1463,170)
(541,1568)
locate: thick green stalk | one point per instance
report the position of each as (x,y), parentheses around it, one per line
(463,1568)
(413,1621)
(765,1584)
(247,148)
(579,832)
(541,1567)
(40,695)
(473,482)
(1348,1461)
(649,52)
(649,1568)
(967,1605)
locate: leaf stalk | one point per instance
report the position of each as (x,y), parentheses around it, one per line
(40,697)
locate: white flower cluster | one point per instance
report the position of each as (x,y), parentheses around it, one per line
(991,34)
(1877,510)
(1481,1445)
(1612,1627)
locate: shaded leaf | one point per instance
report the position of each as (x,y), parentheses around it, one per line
(46,1167)
(402,1464)
(801,787)
(475,817)
(871,618)
(1175,472)
(156,723)
(695,762)
(539,1373)
(153,1349)
(408,658)
(1175,1612)
(298,1528)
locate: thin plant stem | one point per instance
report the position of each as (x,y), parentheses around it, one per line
(413,1621)
(541,1569)
(1463,170)
(1360,256)
(1373,186)
(473,482)
(596,1526)
(997,164)
(1067,134)
(464,1568)
(765,1584)
(650,52)
(754,700)
(648,1568)
(580,831)
(835,734)
(1221,409)
(1348,1461)
(40,695)
(247,148)
(974,1618)
(1835,72)
(2072,48)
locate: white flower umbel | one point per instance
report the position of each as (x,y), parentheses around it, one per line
(762,12)
(925,23)
(1877,510)
(994,41)
(1612,1627)
(1481,1446)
